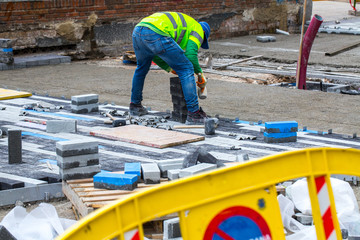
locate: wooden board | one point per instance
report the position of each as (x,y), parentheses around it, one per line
(8,94)
(147,136)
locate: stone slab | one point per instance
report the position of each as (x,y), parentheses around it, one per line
(27,181)
(57,126)
(202,167)
(31,193)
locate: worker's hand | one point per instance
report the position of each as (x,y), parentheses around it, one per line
(201,80)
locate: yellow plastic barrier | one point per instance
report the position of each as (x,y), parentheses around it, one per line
(238,202)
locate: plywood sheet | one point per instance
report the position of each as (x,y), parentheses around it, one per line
(147,136)
(7,94)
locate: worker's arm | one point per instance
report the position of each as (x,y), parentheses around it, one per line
(161,63)
(192,54)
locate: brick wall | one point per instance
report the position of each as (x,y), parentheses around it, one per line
(105,23)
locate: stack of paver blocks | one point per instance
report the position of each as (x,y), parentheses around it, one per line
(77,159)
(6,51)
(280,132)
(85,103)
(179,112)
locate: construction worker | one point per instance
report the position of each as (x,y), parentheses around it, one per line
(172,41)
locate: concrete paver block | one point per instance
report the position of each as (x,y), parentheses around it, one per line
(29,182)
(5,43)
(108,180)
(151,173)
(78,161)
(14,146)
(202,167)
(266,39)
(84,99)
(281,127)
(171,228)
(85,108)
(6,183)
(133,168)
(57,126)
(166,165)
(280,137)
(79,172)
(173,174)
(205,157)
(191,158)
(76,147)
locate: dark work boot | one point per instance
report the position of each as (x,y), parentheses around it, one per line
(197,117)
(137,109)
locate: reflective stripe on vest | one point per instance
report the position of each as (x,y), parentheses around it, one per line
(184,24)
(195,34)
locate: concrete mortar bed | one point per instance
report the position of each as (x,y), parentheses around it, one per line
(40,145)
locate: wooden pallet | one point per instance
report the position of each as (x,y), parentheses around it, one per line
(86,198)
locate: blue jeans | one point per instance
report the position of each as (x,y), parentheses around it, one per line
(148,44)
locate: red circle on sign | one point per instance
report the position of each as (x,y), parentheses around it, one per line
(213,227)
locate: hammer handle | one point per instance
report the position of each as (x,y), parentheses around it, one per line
(112,118)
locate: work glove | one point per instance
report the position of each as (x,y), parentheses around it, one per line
(172,71)
(201,86)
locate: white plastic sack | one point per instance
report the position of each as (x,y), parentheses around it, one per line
(345,199)
(42,223)
(346,205)
(287,211)
(307,233)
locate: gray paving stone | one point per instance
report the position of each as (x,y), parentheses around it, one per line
(166,165)
(151,173)
(173,174)
(79,172)
(5,43)
(65,59)
(266,39)
(84,99)
(78,161)
(27,181)
(171,228)
(14,146)
(202,167)
(76,147)
(85,108)
(57,126)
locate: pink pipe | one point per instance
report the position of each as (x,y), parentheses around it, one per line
(306,47)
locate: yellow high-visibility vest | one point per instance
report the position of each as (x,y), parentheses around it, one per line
(178,26)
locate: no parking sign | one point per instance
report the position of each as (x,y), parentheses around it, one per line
(238,222)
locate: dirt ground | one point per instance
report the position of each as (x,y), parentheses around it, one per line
(228,97)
